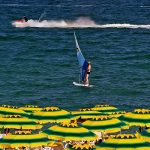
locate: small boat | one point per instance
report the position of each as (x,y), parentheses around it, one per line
(20,21)
(23,20)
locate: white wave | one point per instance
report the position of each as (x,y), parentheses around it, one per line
(124,25)
(81,22)
(145,6)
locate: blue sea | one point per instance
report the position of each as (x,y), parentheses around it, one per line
(38,61)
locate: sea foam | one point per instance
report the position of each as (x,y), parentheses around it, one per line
(82,22)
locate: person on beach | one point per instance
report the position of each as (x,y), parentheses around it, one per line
(6,131)
(140,129)
(86,80)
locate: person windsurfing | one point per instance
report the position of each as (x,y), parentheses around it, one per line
(86,80)
(85,66)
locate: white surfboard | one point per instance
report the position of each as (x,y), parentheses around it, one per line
(81,84)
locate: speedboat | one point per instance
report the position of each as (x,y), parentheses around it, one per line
(20,21)
(23,20)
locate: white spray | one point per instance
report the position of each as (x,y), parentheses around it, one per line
(82,22)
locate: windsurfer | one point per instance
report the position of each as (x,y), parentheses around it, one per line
(84,66)
(86,80)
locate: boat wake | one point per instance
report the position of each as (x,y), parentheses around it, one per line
(82,22)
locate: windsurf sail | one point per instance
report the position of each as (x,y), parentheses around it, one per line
(83,64)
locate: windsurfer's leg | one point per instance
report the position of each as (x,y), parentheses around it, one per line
(88,79)
(86,82)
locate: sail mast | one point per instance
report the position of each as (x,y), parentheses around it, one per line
(78,49)
(77,45)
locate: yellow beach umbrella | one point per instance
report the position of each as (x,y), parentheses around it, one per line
(140,117)
(11,110)
(30,108)
(105,123)
(9,106)
(145,134)
(69,132)
(26,140)
(104,108)
(18,122)
(52,114)
(123,142)
(86,146)
(86,114)
(109,110)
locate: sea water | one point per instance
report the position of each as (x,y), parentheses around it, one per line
(38,61)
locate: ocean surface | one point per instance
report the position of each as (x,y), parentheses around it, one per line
(38,61)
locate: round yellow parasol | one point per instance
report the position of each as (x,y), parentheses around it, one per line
(52,114)
(69,132)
